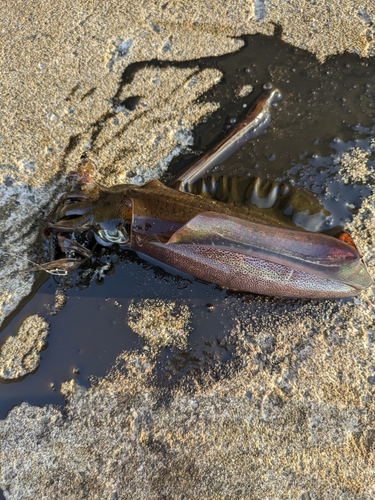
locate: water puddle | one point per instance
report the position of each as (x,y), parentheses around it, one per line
(326,110)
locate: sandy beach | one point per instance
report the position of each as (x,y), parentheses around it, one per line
(303,431)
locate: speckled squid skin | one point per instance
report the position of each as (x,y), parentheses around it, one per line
(244,255)
(224,241)
(221,243)
(240,272)
(217,242)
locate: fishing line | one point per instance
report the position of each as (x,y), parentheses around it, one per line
(53,272)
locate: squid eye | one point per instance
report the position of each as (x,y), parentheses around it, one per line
(108,236)
(113,236)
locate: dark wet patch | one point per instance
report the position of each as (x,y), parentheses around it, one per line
(88,94)
(72,92)
(320,103)
(91,330)
(131,102)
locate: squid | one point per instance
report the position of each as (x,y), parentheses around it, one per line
(238,232)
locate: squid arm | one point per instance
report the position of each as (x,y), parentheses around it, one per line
(59,267)
(251,125)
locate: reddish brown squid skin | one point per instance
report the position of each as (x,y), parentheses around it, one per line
(221,243)
(224,245)
(231,245)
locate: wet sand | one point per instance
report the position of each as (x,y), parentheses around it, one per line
(294,416)
(61,81)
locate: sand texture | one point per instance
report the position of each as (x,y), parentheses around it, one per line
(20,354)
(294,415)
(61,68)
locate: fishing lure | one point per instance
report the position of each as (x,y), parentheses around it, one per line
(214,227)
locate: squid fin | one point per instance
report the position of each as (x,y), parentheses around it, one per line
(315,253)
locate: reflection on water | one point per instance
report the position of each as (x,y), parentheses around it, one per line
(316,121)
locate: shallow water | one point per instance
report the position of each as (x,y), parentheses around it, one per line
(320,103)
